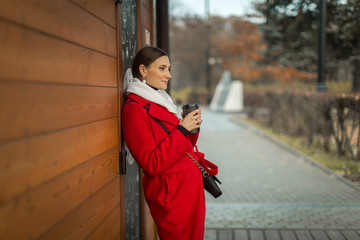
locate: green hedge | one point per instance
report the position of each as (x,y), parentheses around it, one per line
(327,117)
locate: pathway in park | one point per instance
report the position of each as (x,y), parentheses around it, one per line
(271,191)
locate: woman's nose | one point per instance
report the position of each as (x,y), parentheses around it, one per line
(168,75)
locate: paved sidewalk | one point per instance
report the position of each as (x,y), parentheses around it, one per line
(268,186)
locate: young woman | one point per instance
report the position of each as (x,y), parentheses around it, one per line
(159,139)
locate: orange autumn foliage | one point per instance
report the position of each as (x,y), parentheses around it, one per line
(240,45)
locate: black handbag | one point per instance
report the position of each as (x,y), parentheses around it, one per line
(209,180)
(211,186)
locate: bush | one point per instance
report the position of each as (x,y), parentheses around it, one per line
(327,117)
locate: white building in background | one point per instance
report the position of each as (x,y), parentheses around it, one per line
(229,95)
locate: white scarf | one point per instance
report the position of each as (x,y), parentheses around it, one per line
(156,96)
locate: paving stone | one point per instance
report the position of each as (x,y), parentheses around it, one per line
(266,185)
(351,235)
(303,235)
(272,235)
(319,235)
(335,235)
(256,235)
(241,235)
(224,234)
(210,234)
(288,235)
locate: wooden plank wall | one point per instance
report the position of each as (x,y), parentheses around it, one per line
(59,122)
(146,22)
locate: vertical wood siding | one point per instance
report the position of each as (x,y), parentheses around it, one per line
(59,122)
(146,22)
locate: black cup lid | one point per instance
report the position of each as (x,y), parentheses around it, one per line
(192,105)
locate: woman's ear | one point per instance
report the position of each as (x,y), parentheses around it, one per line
(142,70)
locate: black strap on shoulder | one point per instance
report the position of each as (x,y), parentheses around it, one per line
(130,101)
(157,120)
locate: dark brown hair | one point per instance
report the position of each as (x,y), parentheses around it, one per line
(146,56)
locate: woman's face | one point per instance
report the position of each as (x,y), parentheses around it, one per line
(157,74)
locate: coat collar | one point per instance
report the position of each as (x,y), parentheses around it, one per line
(155,110)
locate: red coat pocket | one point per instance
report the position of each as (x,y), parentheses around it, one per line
(156,190)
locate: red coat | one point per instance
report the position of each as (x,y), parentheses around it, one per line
(172,182)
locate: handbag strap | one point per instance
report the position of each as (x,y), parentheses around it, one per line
(157,120)
(204,172)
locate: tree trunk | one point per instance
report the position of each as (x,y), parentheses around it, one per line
(356,76)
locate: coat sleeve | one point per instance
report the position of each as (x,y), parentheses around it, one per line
(194,137)
(139,137)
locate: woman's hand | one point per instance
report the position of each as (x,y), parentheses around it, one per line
(192,120)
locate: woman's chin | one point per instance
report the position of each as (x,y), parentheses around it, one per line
(163,87)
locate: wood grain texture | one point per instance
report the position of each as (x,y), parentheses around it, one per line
(145,21)
(28,163)
(108,229)
(30,109)
(103,9)
(63,19)
(42,208)
(60,119)
(147,3)
(81,222)
(27,55)
(149,228)
(146,18)
(119,27)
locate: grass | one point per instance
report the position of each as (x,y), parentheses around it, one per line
(340,165)
(339,87)
(280,85)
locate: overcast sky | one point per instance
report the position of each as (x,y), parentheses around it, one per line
(218,7)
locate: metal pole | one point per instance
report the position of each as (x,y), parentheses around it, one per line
(207,55)
(162,28)
(321,86)
(162,25)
